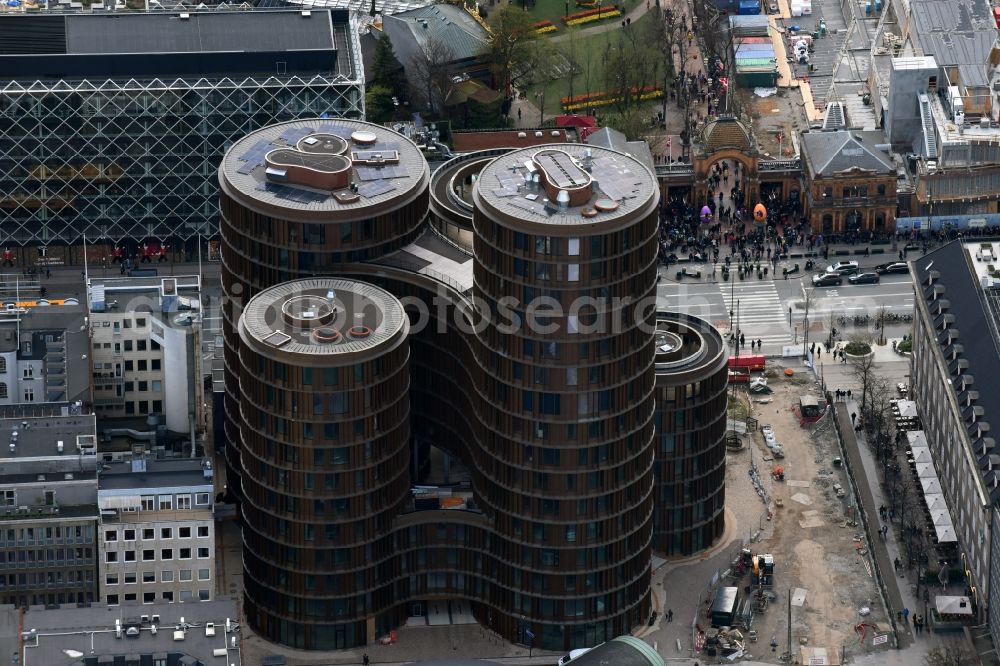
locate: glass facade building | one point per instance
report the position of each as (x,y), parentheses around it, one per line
(112,126)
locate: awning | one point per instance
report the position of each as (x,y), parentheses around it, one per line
(121,502)
(931,485)
(953,605)
(916,438)
(906,409)
(925,470)
(920,454)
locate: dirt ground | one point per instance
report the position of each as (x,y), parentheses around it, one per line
(814,545)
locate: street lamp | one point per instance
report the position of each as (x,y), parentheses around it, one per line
(541,107)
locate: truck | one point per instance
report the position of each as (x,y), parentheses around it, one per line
(762,570)
(725,607)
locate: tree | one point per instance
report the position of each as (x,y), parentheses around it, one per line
(513,48)
(880,316)
(386,70)
(379,105)
(950,655)
(429,74)
(670,33)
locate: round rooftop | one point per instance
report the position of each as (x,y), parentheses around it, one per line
(684,342)
(321,317)
(386,169)
(568,185)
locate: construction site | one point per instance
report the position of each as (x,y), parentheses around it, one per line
(801,553)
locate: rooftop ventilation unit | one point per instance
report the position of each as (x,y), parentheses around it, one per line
(184,17)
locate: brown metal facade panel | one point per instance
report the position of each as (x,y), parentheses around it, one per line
(556,428)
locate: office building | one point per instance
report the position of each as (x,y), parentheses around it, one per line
(692,376)
(112,125)
(956,353)
(145,338)
(157,533)
(137,635)
(48,510)
(550,543)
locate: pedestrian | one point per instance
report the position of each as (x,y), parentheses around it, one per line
(759,343)
(854,417)
(906,614)
(364,659)
(519,114)
(848,394)
(670,615)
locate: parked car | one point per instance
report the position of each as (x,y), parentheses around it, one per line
(827,279)
(573,654)
(864,278)
(893,267)
(843,268)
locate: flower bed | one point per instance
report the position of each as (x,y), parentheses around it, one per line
(596,11)
(593,17)
(655,94)
(857,348)
(589,97)
(544,27)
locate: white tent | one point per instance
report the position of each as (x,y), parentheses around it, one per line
(940,517)
(931,485)
(907,409)
(935,501)
(945,533)
(925,470)
(916,438)
(920,454)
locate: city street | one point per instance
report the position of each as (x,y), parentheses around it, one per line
(773,311)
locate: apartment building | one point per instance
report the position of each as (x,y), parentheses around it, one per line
(157,536)
(48,509)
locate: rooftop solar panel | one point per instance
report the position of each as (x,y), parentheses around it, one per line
(377,173)
(561,168)
(530,206)
(247,167)
(258,149)
(375,188)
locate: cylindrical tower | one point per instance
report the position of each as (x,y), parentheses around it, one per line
(324,421)
(298,199)
(691,380)
(452,185)
(565,242)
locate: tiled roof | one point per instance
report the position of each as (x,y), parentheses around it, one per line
(829,153)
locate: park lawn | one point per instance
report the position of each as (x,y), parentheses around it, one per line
(589,49)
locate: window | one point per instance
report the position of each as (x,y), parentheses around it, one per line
(155,363)
(112,599)
(110,535)
(158,385)
(130,556)
(203,595)
(29,395)
(130,596)
(183,501)
(130,578)
(140,345)
(166,502)
(29,372)
(184,554)
(129,535)
(148,533)
(111,579)
(148,555)
(147,505)
(166,533)
(167,576)
(3,364)
(111,556)
(203,530)
(127,323)
(201,499)
(203,553)
(184,532)
(3,386)
(148,597)
(186,595)
(148,576)
(167,554)
(129,366)
(185,575)
(143,365)
(168,597)
(128,345)
(140,322)
(143,386)
(157,406)
(204,574)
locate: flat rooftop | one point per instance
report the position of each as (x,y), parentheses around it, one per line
(321,317)
(432,256)
(39,437)
(618,187)
(158,474)
(386,167)
(66,635)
